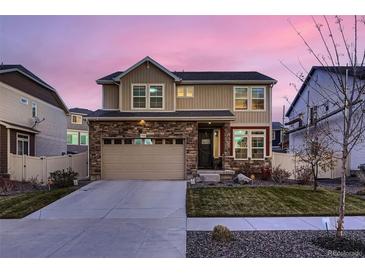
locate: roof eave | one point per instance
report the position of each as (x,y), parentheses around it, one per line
(260,82)
(197,118)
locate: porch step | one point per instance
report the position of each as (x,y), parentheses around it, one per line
(215,175)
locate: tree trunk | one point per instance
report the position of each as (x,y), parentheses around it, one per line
(340,221)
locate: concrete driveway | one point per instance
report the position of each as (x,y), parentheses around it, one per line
(104,219)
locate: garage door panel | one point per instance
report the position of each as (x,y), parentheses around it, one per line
(143,161)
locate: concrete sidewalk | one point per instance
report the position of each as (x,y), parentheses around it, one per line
(274,223)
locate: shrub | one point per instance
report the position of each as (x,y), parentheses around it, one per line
(62,178)
(265,172)
(280,175)
(221,233)
(304,175)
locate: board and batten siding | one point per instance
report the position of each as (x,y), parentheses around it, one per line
(51,140)
(146,74)
(110,97)
(221,97)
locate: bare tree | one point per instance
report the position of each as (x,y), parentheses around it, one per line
(342,58)
(316,152)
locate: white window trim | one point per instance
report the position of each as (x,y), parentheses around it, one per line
(185,92)
(75,115)
(146,95)
(265,102)
(258,135)
(34,104)
(78,137)
(163,96)
(249,99)
(87,134)
(249,144)
(148,107)
(18,138)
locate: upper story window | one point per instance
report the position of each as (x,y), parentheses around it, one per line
(185,92)
(156,96)
(249,98)
(148,96)
(84,138)
(76,119)
(139,96)
(34,110)
(72,138)
(240,98)
(258,99)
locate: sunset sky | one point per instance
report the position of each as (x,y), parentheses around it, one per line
(70,53)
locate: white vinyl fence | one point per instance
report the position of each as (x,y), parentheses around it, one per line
(27,168)
(289,162)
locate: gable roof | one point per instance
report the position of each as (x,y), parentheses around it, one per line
(333,69)
(144,60)
(195,76)
(223,76)
(23,70)
(84,111)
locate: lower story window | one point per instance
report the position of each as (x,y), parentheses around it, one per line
(22,144)
(84,138)
(240,138)
(249,144)
(72,138)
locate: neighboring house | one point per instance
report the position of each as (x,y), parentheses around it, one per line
(32,116)
(77,131)
(310,108)
(277,136)
(159,124)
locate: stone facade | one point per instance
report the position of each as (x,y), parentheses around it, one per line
(132,129)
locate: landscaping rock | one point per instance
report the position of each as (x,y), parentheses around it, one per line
(273,244)
(240,179)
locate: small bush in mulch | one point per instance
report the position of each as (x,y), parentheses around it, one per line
(221,233)
(340,244)
(63,178)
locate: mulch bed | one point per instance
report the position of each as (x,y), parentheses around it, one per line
(276,244)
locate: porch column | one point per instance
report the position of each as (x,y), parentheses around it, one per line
(227,156)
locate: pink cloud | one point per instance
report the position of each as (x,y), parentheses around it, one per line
(71,52)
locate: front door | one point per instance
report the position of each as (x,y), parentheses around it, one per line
(205,156)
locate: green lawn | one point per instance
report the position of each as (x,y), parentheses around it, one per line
(21,205)
(267,201)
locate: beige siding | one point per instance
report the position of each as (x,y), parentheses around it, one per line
(52,137)
(147,75)
(208,97)
(221,97)
(110,97)
(143,162)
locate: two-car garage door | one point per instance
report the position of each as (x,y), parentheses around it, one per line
(147,159)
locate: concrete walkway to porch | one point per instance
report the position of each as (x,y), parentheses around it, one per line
(274,223)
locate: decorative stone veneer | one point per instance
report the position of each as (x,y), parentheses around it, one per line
(228,160)
(153,129)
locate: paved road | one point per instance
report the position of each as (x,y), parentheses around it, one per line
(104,219)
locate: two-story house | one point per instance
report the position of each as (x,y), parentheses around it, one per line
(312,106)
(159,124)
(77,130)
(32,116)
